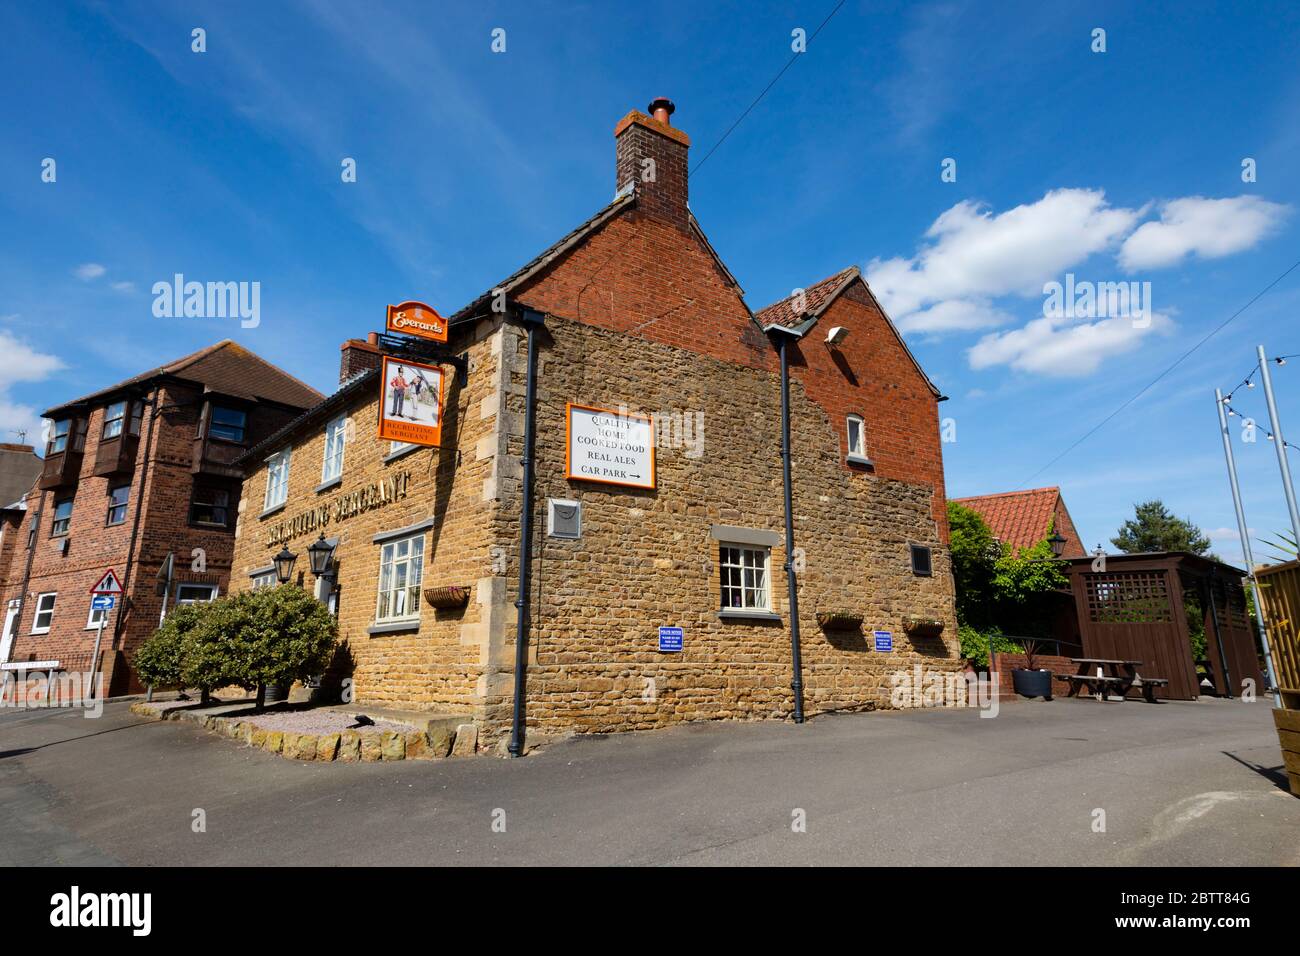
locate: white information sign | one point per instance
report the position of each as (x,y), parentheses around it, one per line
(610,446)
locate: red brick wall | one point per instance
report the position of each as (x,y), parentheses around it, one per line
(1006,663)
(164,466)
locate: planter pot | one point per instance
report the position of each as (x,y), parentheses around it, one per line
(838,620)
(922,626)
(1032,683)
(445,597)
(276,692)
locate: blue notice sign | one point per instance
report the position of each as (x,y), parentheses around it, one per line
(103,602)
(670,640)
(884,640)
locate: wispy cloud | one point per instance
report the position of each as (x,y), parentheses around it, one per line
(1205,228)
(19,362)
(89,271)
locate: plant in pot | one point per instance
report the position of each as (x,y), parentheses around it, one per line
(1030,681)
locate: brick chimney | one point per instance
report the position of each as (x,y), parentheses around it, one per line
(652,153)
(358,356)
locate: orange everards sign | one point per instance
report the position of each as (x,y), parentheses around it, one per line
(410,407)
(416,318)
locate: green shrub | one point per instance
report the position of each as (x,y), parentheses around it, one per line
(158,662)
(975,644)
(290,636)
(213,650)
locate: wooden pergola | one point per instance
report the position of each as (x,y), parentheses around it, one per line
(1134,609)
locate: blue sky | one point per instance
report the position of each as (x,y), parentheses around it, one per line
(1117,166)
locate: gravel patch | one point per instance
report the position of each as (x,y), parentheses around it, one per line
(321,722)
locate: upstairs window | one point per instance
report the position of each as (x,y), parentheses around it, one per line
(117,500)
(114,419)
(62,518)
(210,506)
(196,593)
(59,437)
(744,577)
(228,424)
(334,439)
(277,480)
(921,561)
(856,439)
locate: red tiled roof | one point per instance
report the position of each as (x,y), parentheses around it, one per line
(817,296)
(1020,519)
(224,366)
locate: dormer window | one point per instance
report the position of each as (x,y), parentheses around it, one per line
(228,424)
(856,440)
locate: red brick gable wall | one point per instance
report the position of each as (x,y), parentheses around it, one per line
(872,375)
(1065,526)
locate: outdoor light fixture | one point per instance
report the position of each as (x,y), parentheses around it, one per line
(837,335)
(321,555)
(1058,544)
(284,564)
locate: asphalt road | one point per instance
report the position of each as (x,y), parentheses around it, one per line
(1180,784)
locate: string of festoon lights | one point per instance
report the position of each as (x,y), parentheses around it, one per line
(1249,383)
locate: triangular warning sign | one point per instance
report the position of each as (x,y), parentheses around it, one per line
(108,584)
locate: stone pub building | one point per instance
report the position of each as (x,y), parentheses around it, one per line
(133,473)
(629,332)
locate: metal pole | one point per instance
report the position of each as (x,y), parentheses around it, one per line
(796,684)
(533,320)
(1278,440)
(1244,533)
(94,658)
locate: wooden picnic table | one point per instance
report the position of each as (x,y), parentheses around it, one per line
(1101,675)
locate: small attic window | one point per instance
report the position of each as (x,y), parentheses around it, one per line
(856,440)
(921,564)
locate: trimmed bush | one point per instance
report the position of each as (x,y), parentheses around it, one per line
(289,636)
(158,662)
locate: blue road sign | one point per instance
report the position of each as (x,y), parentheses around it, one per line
(670,639)
(884,640)
(103,602)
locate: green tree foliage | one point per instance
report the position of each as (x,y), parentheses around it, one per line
(974,554)
(159,659)
(975,644)
(1155,528)
(270,636)
(290,636)
(1023,583)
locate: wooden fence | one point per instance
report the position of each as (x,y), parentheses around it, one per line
(1279,596)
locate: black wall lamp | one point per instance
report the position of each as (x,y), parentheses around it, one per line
(284,564)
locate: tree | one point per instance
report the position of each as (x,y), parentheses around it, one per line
(158,662)
(1022,583)
(974,552)
(288,636)
(1155,528)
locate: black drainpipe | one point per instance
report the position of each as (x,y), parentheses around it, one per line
(142,456)
(796,685)
(533,321)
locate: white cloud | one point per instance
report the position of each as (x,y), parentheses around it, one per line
(976,255)
(1195,225)
(19,362)
(954,315)
(123,286)
(88,271)
(1063,348)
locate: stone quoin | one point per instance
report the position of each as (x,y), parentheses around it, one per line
(643,322)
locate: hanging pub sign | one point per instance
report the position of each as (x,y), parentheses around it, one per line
(608,446)
(410,407)
(416,318)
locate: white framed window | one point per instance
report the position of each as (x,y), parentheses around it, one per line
(856,438)
(745,578)
(114,419)
(397,447)
(277,479)
(195,593)
(401,570)
(263,579)
(59,436)
(96,615)
(44,612)
(62,518)
(334,439)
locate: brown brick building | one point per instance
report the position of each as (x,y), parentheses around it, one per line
(641,317)
(132,473)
